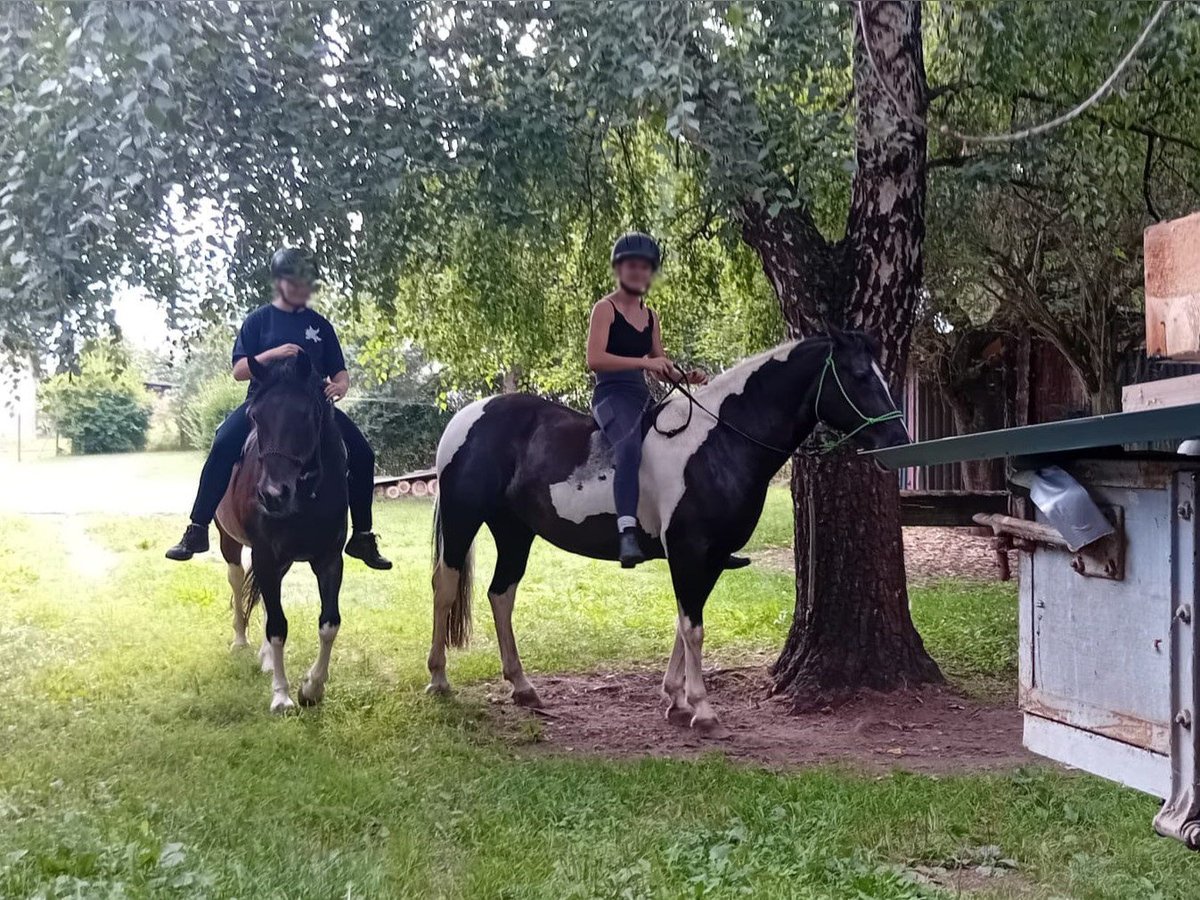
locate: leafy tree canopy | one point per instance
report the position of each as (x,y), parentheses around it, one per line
(463,167)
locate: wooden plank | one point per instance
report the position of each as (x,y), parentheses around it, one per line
(1134,767)
(1172,264)
(1168,392)
(949,509)
(1022,528)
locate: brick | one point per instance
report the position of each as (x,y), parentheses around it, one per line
(1172,260)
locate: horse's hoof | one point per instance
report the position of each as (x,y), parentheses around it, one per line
(238,644)
(282,705)
(310,694)
(527,697)
(706,723)
(438,689)
(678,714)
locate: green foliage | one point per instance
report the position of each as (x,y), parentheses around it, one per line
(404,436)
(103,408)
(1067,262)
(205,408)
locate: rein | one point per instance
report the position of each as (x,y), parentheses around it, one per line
(827,447)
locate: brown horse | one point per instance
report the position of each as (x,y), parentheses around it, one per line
(286,503)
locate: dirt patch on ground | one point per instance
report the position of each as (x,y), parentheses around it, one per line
(932,730)
(930,554)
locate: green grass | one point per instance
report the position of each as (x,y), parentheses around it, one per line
(137,757)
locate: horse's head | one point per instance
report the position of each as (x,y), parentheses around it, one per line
(289,410)
(853,395)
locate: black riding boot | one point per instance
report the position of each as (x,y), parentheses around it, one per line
(365,546)
(194,540)
(631,549)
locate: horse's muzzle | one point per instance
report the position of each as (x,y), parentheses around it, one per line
(276,500)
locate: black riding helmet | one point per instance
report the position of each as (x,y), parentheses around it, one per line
(290,262)
(637,245)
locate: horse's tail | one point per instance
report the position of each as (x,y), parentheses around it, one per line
(446,579)
(249,593)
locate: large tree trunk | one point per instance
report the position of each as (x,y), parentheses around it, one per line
(852,627)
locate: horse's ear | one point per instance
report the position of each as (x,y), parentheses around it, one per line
(257,370)
(303,366)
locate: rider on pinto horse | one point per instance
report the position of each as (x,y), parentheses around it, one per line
(283,328)
(625,342)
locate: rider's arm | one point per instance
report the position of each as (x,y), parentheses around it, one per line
(248,342)
(598,357)
(669,376)
(246,345)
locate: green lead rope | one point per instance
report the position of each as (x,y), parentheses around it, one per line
(828,446)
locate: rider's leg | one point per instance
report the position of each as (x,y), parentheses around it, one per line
(214,479)
(360,462)
(618,410)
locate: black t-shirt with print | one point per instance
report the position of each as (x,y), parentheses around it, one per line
(269,327)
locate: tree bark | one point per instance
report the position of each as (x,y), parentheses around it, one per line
(852,627)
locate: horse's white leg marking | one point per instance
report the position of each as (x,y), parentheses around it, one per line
(241,616)
(696,693)
(510,660)
(312,688)
(265,660)
(457,430)
(445,588)
(673,680)
(280,701)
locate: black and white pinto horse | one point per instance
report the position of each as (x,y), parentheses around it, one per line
(525,466)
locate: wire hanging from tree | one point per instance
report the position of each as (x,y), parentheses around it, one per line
(1013,136)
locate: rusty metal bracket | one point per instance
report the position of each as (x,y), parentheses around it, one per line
(1103,558)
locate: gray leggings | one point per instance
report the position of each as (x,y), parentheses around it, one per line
(618,404)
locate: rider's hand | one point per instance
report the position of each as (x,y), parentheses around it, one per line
(660,366)
(697,376)
(281,352)
(335,391)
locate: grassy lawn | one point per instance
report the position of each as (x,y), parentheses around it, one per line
(137,757)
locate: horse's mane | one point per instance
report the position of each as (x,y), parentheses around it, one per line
(739,371)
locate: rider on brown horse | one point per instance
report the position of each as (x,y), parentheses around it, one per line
(284,328)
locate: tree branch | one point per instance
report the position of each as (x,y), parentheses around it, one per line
(1146,170)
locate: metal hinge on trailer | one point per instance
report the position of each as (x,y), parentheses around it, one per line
(1180,814)
(1103,558)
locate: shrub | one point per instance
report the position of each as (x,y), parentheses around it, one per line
(404,436)
(98,414)
(206,407)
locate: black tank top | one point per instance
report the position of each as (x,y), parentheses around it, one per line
(625,340)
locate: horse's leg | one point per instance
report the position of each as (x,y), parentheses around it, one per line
(513,540)
(455,530)
(693,579)
(329,583)
(673,680)
(231,552)
(270,578)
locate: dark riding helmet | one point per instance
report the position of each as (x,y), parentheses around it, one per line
(290,262)
(637,245)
